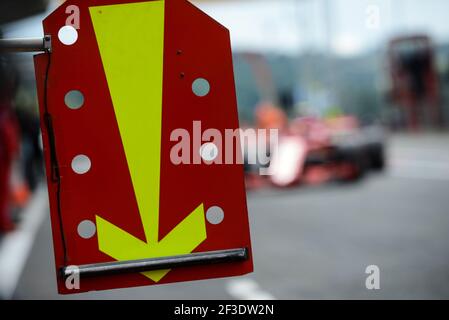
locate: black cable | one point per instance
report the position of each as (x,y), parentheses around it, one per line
(54,165)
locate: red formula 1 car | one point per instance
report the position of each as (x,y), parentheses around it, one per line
(313,151)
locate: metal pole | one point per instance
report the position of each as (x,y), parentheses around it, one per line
(200,258)
(25,44)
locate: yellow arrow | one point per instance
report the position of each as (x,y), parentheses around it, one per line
(130,38)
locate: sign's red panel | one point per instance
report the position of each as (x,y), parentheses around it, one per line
(135,100)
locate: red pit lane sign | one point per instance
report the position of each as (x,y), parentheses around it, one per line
(113,88)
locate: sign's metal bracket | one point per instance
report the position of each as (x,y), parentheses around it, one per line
(133,266)
(26,44)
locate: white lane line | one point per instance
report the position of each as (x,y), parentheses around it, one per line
(247,289)
(15,246)
(419,169)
